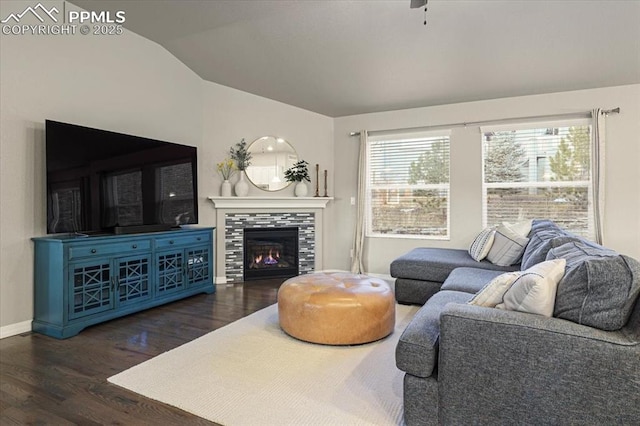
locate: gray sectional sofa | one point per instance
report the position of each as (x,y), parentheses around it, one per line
(467,364)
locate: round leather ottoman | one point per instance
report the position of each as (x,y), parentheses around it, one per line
(337,308)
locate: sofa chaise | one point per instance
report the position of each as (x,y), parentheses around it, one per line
(469,364)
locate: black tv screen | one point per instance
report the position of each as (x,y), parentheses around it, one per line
(106,182)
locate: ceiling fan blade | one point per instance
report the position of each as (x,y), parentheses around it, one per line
(418,3)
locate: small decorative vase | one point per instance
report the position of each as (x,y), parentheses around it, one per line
(301,189)
(225,189)
(242,187)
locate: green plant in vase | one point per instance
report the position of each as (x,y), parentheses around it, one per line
(299,173)
(242,157)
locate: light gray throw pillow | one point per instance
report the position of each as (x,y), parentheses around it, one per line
(508,245)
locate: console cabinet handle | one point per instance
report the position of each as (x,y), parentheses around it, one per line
(135,246)
(94,251)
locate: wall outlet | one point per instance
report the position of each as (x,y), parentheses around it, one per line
(353,201)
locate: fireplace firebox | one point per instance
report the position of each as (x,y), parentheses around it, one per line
(270,253)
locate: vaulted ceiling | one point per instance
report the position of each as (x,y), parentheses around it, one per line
(343,57)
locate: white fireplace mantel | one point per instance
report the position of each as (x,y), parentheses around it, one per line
(270,202)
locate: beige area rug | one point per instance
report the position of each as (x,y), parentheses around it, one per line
(251,373)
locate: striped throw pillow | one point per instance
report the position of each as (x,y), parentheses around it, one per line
(481,245)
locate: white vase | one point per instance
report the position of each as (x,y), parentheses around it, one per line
(225,189)
(242,187)
(301,189)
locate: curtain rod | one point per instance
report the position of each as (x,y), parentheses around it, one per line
(507,120)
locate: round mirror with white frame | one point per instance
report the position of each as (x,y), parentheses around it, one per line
(270,158)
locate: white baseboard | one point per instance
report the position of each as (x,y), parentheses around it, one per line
(385,277)
(14,329)
(220,280)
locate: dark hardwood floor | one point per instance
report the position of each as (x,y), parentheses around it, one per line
(59,382)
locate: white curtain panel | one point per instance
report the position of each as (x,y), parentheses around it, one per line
(358,238)
(598,135)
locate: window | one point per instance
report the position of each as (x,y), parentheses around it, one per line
(408,185)
(539,171)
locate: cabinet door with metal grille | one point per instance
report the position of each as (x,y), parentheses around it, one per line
(198,265)
(170,272)
(91,288)
(132,275)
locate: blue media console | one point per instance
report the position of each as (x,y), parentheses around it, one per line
(81,281)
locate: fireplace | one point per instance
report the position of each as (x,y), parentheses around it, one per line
(270,253)
(233,243)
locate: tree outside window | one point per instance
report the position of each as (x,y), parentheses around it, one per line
(408,186)
(538,172)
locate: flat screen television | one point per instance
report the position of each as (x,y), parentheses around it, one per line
(106,182)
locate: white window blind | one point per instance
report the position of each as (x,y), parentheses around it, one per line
(538,171)
(408,185)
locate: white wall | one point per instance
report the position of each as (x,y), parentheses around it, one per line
(622,220)
(230,115)
(122,83)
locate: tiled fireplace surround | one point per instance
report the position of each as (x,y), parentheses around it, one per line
(234,214)
(234,226)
